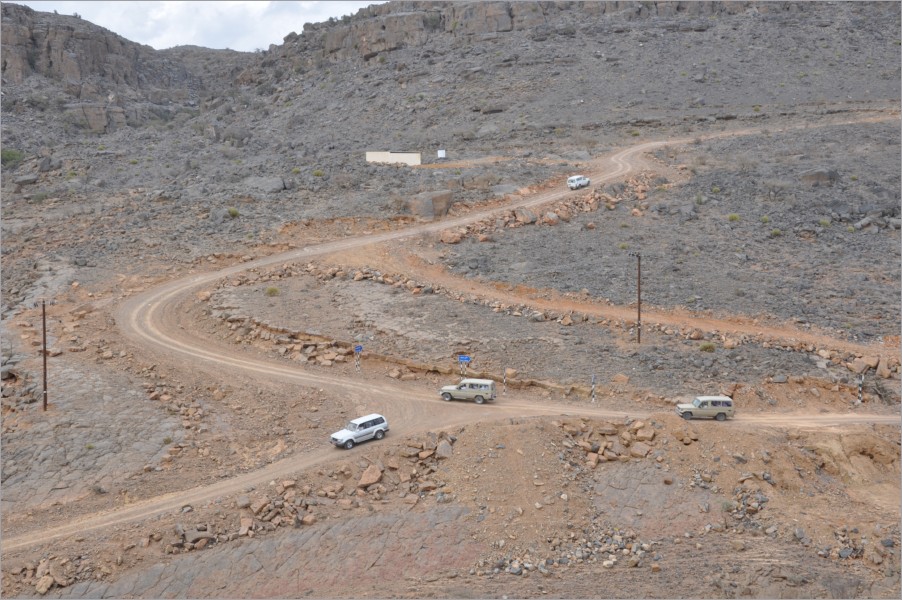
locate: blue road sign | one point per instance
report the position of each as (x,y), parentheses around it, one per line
(358,348)
(463,358)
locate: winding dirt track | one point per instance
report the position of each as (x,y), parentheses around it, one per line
(157,321)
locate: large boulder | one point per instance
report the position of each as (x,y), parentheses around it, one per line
(267,185)
(430,205)
(820,177)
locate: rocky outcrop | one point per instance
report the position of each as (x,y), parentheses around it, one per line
(102,81)
(385,27)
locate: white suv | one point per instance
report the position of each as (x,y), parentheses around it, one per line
(578,181)
(360,430)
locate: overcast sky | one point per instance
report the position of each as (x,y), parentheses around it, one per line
(245,26)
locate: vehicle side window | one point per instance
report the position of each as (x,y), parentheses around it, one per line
(715,403)
(379,421)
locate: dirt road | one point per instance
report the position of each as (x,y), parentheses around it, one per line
(157,321)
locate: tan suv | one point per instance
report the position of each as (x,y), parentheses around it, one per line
(478,390)
(717,407)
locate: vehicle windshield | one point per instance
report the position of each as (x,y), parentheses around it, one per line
(351,426)
(696,403)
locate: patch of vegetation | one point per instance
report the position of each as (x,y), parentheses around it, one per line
(706,347)
(272,291)
(715,189)
(167,440)
(765,219)
(824,222)
(775,233)
(733,217)
(318,173)
(623,246)
(10,157)
(133,161)
(295,171)
(232,211)
(89,446)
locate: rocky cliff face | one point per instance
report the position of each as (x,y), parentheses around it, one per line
(102,82)
(82,55)
(386,27)
(99,80)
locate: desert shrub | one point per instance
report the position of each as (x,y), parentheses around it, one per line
(706,347)
(765,219)
(824,222)
(272,291)
(775,233)
(432,21)
(233,212)
(733,218)
(318,173)
(623,245)
(295,171)
(167,440)
(715,189)
(10,157)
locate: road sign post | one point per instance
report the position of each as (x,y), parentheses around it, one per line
(463,360)
(357,350)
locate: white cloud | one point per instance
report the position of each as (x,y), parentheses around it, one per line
(245,26)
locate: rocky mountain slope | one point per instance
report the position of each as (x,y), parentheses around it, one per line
(188,133)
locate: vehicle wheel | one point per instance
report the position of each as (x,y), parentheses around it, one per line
(446,397)
(721,417)
(687,415)
(380,434)
(349,444)
(479,399)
